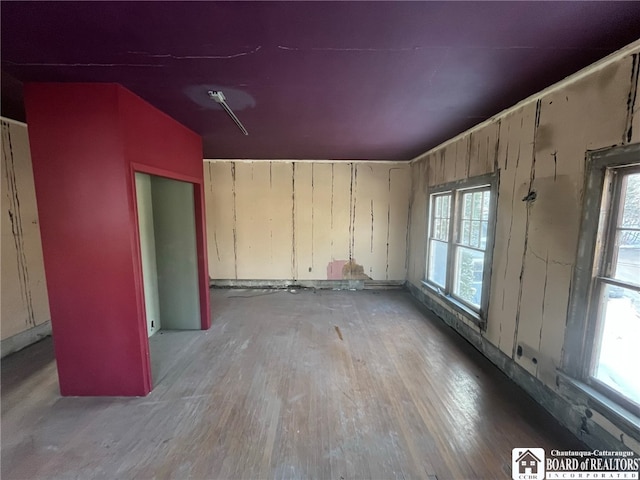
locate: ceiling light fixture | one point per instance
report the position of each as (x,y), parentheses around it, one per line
(218,96)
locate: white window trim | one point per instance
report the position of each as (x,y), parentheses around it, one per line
(477,316)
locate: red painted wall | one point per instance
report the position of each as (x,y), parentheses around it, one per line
(86,141)
(157,144)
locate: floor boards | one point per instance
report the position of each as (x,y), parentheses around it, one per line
(324,385)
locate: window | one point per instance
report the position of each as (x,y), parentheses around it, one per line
(601,348)
(460,216)
(616,294)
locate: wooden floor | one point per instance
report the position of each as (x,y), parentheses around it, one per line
(314,385)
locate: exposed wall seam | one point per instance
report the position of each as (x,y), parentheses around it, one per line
(455,163)
(351,213)
(488,150)
(355,200)
(518,157)
(312,213)
(270,216)
(15,217)
(371,249)
(332,183)
(215,240)
(294,267)
(469,148)
(235,219)
(544,299)
(506,155)
(496,153)
(388,221)
(532,177)
(407,239)
(388,230)
(477,155)
(496,170)
(631,99)
(513,205)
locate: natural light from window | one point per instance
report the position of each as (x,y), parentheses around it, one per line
(472,241)
(617,352)
(458,232)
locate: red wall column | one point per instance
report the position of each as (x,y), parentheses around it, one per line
(85,139)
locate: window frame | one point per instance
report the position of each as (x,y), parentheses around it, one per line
(431,238)
(487,182)
(601,209)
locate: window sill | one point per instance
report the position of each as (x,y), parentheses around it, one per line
(625,420)
(459,307)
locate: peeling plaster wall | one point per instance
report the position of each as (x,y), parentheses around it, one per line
(307,220)
(538,146)
(25,304)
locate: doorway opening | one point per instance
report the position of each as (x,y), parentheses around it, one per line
(167,232)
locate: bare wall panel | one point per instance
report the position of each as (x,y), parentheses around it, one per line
(307,220)
(25,305)
(538,146)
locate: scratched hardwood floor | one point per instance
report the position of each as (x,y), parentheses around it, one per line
(324,385)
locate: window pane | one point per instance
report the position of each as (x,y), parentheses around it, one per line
(626,253)
(440,216)
(616,364)
(465,232)
(485,205)
(631,199)
(466,206)
(477,205)
(440,229)
(468,275)
(438,262)
(627,257)
(475,234)
(626,261)
(483,235)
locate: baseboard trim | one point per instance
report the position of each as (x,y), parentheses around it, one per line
(284,284)
(24,339)
(572,413)
(384,284)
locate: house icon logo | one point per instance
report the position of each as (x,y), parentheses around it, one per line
(527,463)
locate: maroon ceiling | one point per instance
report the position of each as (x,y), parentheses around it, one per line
(319,80)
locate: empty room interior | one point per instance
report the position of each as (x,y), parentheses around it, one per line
(326,240)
